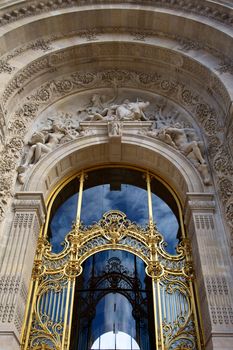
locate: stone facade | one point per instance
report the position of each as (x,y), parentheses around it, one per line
(74,77)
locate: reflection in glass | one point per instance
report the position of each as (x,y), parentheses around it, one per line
(167,223)
(113,301)
(61,222)
(115,189)
(165,214)
(129,199)
(112,341)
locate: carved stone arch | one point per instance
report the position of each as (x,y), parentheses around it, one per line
(201,111)
(200,217)
(136,150)
(195,40)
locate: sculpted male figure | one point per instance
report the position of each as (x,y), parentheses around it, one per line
(42,142)
(131,110)
(179,137)
(125,111)
(184,140)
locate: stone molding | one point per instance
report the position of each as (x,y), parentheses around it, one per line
(216,11)
(199,202)
(180,62)
(69,158)
(33,201)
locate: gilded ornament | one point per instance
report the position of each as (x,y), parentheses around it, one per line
(154,269)
(188,269)
(73,269)
(38,269)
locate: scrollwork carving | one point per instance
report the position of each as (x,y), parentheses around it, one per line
(222,163)
(5,67)
(229,212)
(226,188)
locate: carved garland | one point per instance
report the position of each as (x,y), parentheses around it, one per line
(55,89)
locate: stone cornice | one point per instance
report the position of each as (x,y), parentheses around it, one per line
(35,201)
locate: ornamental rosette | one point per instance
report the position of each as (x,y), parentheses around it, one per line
(155,269)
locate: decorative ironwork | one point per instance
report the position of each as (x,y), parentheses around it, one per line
(54,280)
(50,305)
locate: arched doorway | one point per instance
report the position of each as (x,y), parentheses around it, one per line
(122,211)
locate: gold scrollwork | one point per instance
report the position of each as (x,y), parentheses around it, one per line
(155,270)
(171,274)
(38,269)
(114,225)
(73,269)
(189,270)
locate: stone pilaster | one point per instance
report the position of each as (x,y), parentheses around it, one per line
(212,263)
(29,213)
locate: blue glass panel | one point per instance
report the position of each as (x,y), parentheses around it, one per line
(167,223)
(129,199)
(62,221)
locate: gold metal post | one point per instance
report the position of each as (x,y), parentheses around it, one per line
(25,328)
(74,256)
(160,314)
(155,315)
(79,206)
(66,314)
(150,209)
(31,313)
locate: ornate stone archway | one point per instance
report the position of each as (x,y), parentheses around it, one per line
(183,57)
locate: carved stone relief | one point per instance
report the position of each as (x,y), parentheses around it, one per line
(202,112)
(5,67)
(115,111)
(165,55)
(184,140)
(55,131)
(184,44)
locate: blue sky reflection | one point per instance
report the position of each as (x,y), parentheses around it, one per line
(61,222)
(166,221)
(130,199)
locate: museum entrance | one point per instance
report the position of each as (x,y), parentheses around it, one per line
(113,267)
